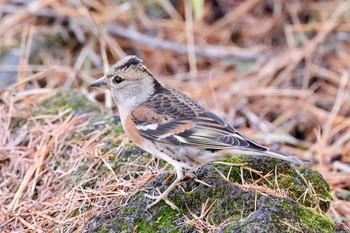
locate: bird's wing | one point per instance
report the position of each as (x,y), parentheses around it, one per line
(175,119)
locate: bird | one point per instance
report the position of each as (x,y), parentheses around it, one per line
(168,124)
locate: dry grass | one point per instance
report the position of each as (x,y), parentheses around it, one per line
(280,68)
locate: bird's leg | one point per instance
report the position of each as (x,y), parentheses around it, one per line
(164,195)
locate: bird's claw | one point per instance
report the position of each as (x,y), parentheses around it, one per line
(158,198)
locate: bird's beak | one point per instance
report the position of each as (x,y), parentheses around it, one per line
(101,82)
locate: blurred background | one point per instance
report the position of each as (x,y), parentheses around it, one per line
(276,70)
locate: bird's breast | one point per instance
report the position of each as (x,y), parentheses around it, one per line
(131,130)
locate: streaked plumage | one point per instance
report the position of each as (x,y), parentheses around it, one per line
(168,124)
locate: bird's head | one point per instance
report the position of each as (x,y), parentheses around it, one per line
(130,82)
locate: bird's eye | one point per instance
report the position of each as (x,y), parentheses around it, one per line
(118,79)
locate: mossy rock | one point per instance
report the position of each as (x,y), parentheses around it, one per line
(302,184)
(64,99)
(231,206)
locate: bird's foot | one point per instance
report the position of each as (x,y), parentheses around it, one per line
(158,198)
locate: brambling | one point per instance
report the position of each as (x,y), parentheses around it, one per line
(168,124)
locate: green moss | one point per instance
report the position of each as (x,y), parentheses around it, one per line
(66,100)
(234,159)
(297,190)
(301,184)
(78,174)
(144,221)
(119,128)
(233,172)
(129,154)
(310,219)
(102,229)
(313,219)
(321,188)
(164,218)
(112,126)
(109,146)
(54,40)
(75,212)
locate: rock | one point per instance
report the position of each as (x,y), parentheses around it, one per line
(279,199)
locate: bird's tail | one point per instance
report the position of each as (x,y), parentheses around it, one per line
(286,157)
(269,153)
